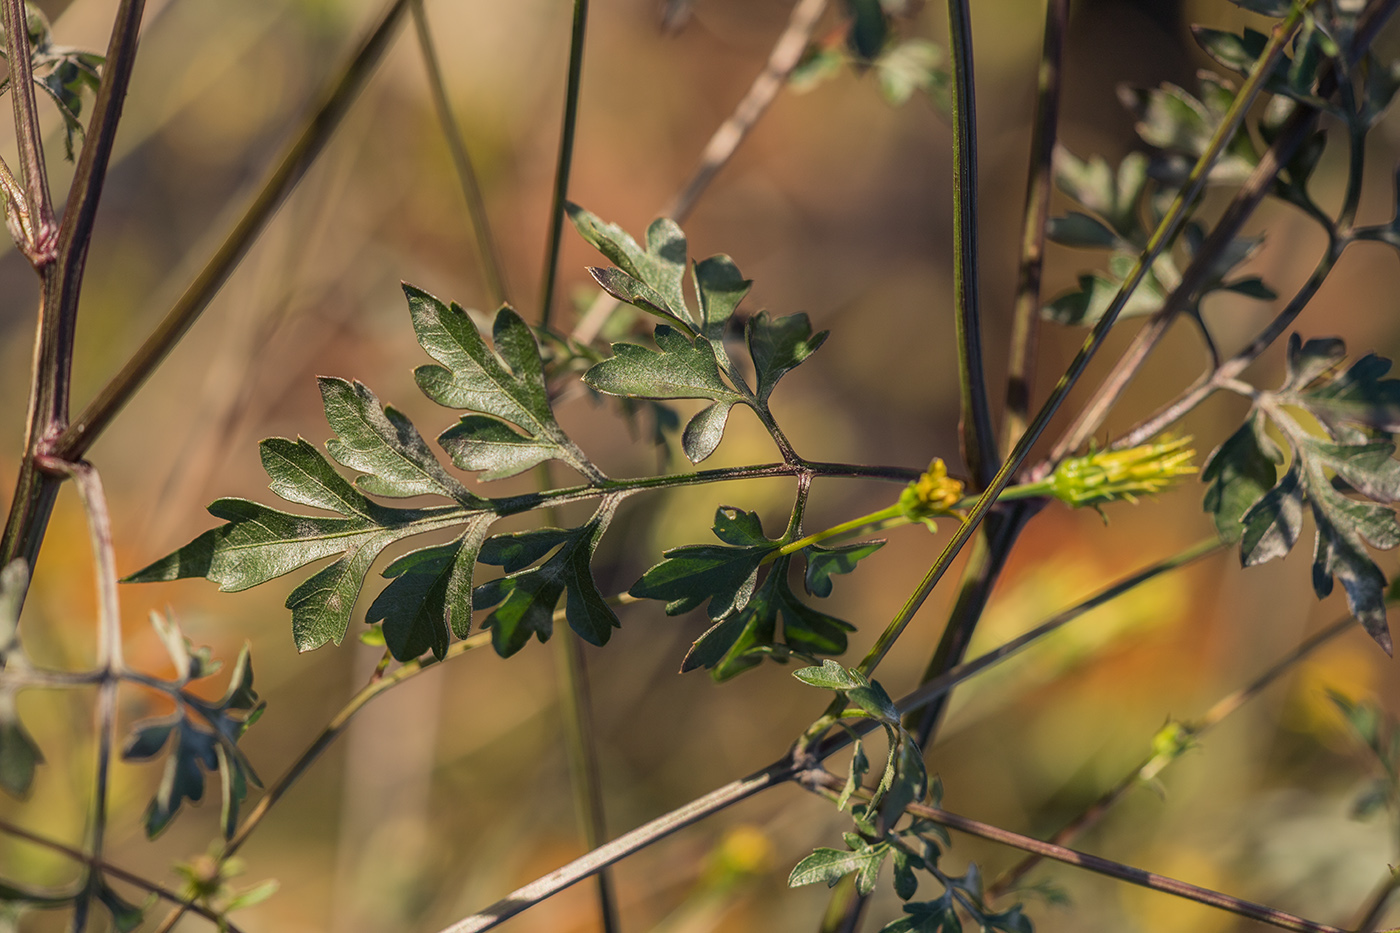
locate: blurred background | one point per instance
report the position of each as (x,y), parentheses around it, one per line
(451,791)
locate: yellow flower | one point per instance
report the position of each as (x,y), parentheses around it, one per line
(934,493)
(1109,475)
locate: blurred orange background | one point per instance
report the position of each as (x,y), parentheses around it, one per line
(453,790)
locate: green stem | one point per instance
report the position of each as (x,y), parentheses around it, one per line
(1034,218)
(566,156)
(487,256)
(978,437)
(1164,233)
(40,248)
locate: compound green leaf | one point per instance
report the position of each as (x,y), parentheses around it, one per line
(429,597)
(525,599)
(653,276)
(688,576)
(507,383)
(384,445)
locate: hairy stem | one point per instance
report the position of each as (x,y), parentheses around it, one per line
(487,256)
(566,158)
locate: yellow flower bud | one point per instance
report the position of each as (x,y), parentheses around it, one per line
(934,493)
(1110,475)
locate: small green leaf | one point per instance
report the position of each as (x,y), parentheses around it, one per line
(831,676)
(720,288)
(855,778)
(906,882)
(778,346)
(823,562)
(1240,471)
(938,916)
(831,865)
(1273,523)
(651,278)
(704,431)
(868,28)
(678,368)
(385,445)
(1082,231)
(19,755)
(479,442)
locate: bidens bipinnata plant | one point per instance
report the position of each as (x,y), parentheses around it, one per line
(1321,445)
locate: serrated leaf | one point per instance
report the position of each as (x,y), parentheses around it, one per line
(913,65)
(481,443)
(1273,523)
(688,576)
(525,599)
(1084,308)
(831,865)
(1240,471)
(822,563)
(655,273)
(19,755)
(938,916)
(741,640)
(1115,197)
(906,882)
(507,383)
(778,346)
(678,368)
(1308,361)
(429,597)
(384,445)
(740,528)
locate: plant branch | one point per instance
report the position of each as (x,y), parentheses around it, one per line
(38,201)
(1164,233)
(825,783)
(975,422)
(786,53)
(121,874)
(1035,217)
(487,256)
(566,157)
(1226,373)
(295,160)
(1374,910)
(109,654)
(1297,130)
(1151,766)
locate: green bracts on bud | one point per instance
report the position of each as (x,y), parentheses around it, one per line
(1113,475)
(934,493)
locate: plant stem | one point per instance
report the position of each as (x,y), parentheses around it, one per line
(109,655)
(1034,218)
(97,865)
(1297,130)
(1374,910)
(786,53)
(1225,374)
(826,783)
(581,740)
(1164,233)
(1222,708)
(566,157)
(487,256)
(40,248)
(978,438)
(295,160)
